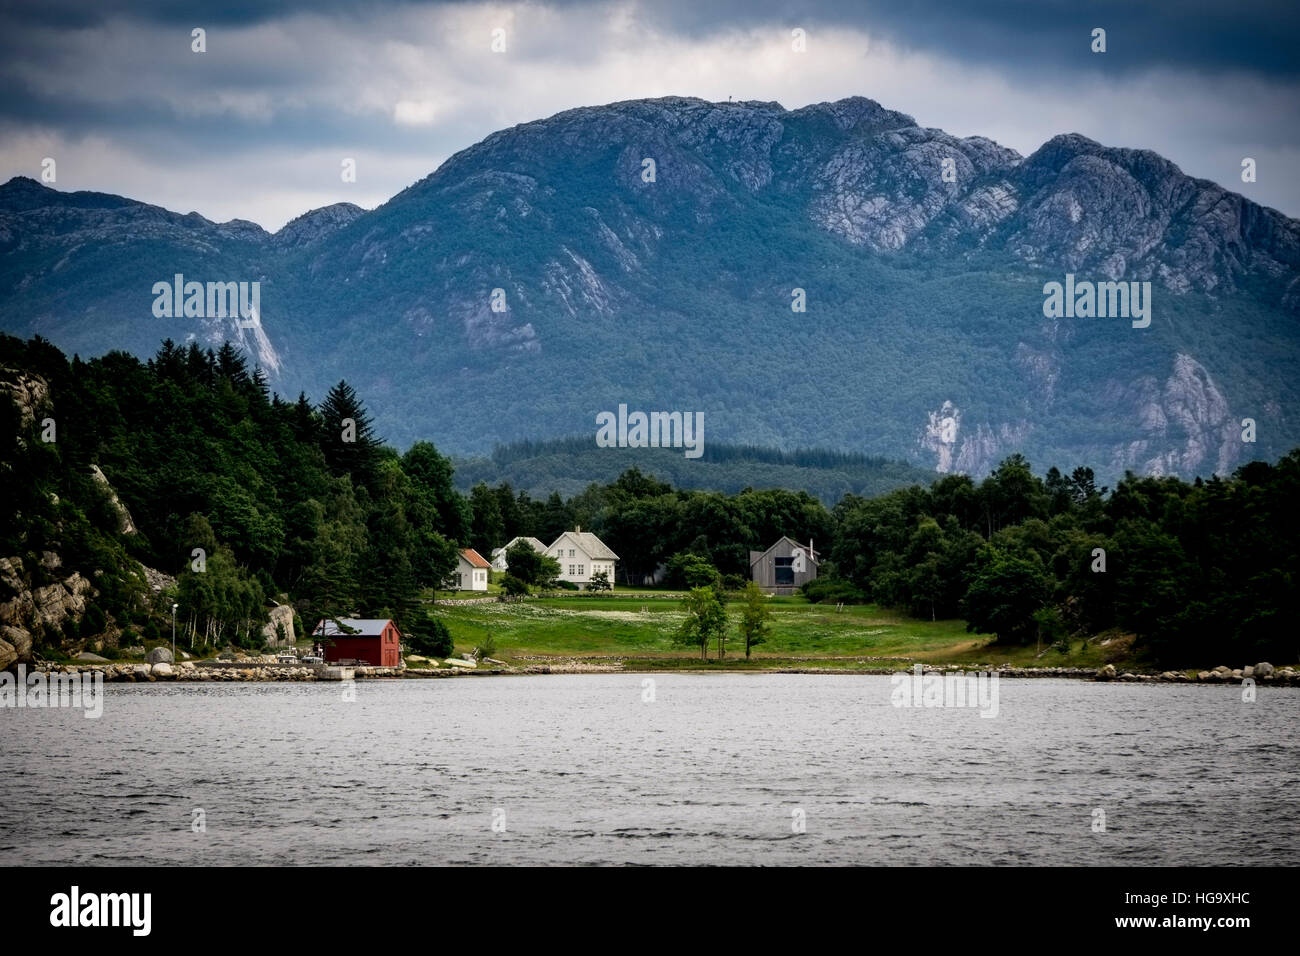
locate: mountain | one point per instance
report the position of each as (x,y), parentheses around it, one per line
(924,336)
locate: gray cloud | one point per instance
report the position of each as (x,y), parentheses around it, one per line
(255,128)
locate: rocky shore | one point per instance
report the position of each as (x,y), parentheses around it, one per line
(214,671)
(268,669)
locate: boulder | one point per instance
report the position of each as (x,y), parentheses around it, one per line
(1106,673)
(1248,670)
(93,658)
(159,655)
(162,669)
(17,646)
(141,671)
(1264,669)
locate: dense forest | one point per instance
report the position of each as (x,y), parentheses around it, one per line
(568,465)
(247,497)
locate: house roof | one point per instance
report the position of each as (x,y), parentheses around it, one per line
(536,545)
(591,545)
(364,627)
(474,558)
(755,556)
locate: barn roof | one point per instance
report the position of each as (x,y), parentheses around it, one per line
(364,627)
(755,556)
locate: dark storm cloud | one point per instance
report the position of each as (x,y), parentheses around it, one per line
(256,127)
(1260,36)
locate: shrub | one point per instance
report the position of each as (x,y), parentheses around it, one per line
(429,636)
(94,621)
(488,648)
(832,591)
(513,586)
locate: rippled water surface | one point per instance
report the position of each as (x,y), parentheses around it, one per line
(580,769)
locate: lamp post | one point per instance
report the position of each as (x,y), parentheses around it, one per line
(174,607)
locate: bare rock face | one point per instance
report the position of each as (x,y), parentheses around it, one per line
(125,524)
(972,450)
(1185,424)
(15,646)
(282,615)
(36,610)
(29,392)
(312,226)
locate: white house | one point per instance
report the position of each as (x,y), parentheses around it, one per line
(582,555)
(499,554)
(471,572)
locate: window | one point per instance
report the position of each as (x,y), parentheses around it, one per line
(460,579)
(784,571)
(570,552)
(571,571)
(581,570)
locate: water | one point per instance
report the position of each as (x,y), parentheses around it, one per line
(713,771)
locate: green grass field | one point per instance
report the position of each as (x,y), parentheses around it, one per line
(639,629)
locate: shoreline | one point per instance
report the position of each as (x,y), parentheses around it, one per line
(264,671)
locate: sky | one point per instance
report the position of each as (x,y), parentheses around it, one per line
(259,125)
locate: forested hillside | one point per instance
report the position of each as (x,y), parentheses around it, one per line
(569,465)
(247,497)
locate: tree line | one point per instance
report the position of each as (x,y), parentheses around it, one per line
(248,497)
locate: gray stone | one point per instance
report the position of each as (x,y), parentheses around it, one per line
(1106,673)
(281,620)
(159,655)
(162,669)
(1264,669)
(16,645)
(93,658)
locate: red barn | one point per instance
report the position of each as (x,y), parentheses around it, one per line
(374,642)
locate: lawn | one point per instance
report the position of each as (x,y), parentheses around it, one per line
(640,629)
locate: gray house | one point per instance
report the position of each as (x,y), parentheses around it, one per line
(784,567)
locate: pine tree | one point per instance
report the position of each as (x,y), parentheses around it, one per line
(348,439)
